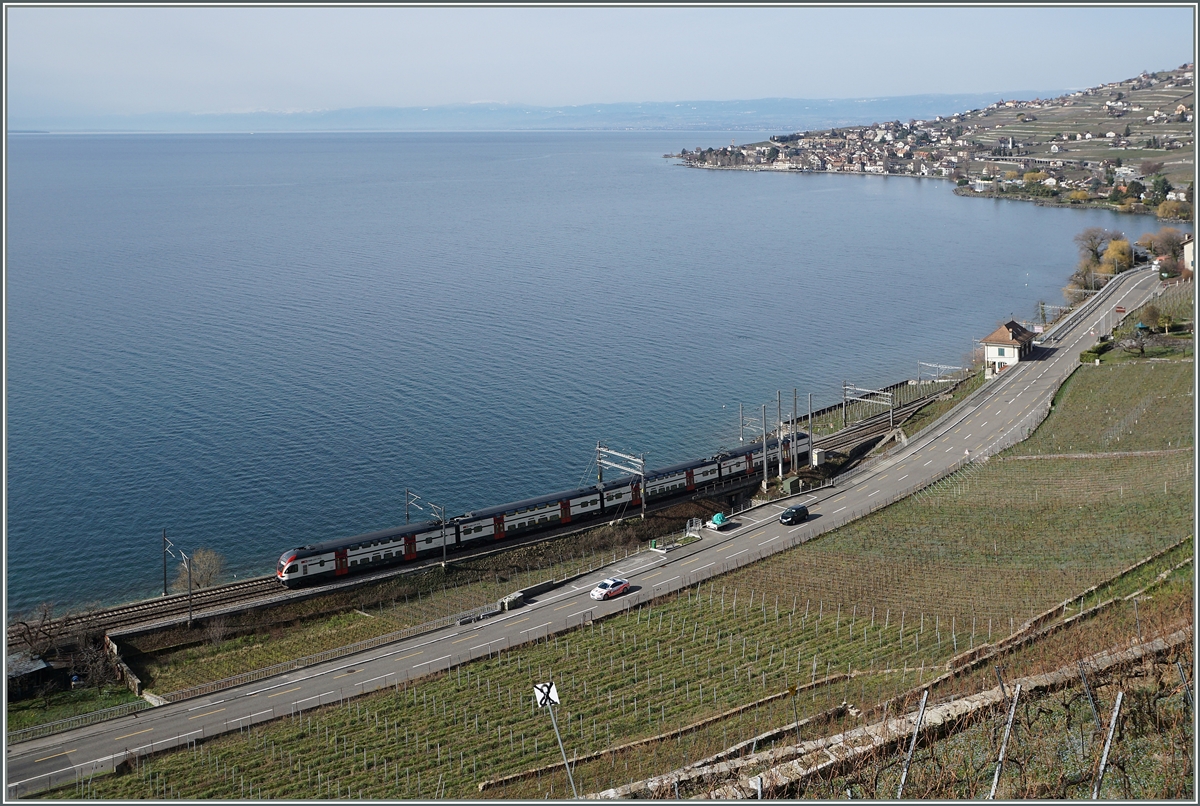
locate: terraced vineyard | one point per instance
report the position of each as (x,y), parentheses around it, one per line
(887,598)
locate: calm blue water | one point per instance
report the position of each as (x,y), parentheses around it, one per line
(259,341)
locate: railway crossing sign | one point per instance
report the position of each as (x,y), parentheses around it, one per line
(545,694)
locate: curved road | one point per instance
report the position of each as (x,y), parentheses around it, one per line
(1008,402)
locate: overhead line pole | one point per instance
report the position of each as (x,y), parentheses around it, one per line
(779,429)
(766,468)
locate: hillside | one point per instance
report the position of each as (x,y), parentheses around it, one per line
(1090,143)
(865,615)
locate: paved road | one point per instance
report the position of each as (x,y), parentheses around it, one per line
(1002,406)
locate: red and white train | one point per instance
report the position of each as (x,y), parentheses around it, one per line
(334,558)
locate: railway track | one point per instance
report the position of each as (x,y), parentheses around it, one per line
(249,592)
(166,607)
(877,425)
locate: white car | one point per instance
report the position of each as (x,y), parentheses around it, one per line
(609,588)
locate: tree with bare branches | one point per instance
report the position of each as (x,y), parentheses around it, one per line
(207,566)
(39,631)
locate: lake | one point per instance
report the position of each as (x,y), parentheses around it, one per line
(260,341)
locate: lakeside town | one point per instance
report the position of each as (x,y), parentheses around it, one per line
(1126,145)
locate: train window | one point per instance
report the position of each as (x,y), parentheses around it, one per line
(291,569)
(429,539)
(322,563)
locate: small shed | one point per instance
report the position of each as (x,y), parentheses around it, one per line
(25,674)
(1007,345)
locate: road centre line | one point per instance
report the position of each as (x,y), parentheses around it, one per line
(56,755)
(467,638)
(210,713)
(652,576)
(693,560)
(289,691)
(135,733)
(345,674)
(524,619)
(560,607)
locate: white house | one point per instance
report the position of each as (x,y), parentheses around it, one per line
(1006,346)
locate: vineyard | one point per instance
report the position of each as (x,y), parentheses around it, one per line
(1057,738)
(299,629)
(864,614)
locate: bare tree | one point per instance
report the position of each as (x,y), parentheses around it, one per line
(92,663)
(1168,241)
(38,630)
(215,629)
(1092,241)
(207,566)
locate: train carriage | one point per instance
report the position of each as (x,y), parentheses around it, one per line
(611,499)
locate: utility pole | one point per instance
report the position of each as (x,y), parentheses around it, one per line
(187,563)
(779,430)
(411,499)
(441,514)
(635,466)
(795,409)
(766,469)
(164,553)
(810,433)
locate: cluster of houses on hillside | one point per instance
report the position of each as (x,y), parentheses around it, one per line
(947,147)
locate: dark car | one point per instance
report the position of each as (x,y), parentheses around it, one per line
(796,514)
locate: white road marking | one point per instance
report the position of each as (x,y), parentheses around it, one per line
(836,511)
(902,478)
(773,539)
(730,556)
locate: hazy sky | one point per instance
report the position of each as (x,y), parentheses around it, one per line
(227,59)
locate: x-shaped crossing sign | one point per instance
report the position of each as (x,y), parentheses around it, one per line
(545,694)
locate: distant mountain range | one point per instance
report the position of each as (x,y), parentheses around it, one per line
(763,114)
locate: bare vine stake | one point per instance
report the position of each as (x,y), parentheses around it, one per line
(1003,689)
(1187,689)
(912,745)
(1012,712)
(1087,689)
(1112,724)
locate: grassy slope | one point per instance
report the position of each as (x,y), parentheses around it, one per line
(931,563)
(65,704)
